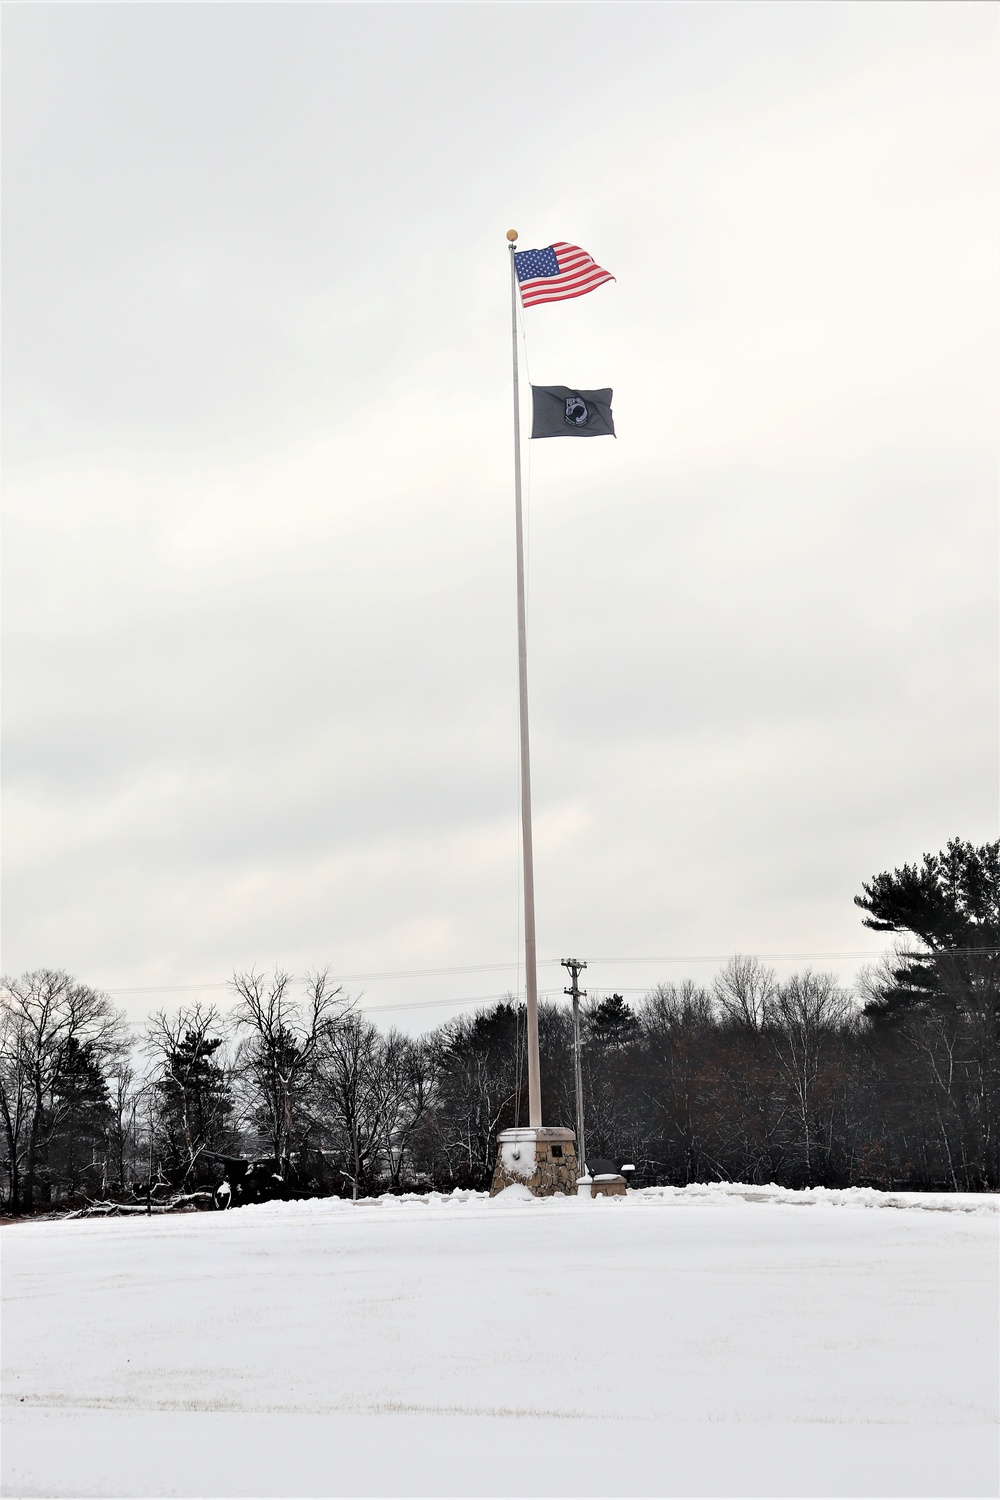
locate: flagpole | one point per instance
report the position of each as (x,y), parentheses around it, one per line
(530,960)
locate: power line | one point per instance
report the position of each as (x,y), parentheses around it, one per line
(718,958)
(443,1004)
(170,989)
(677,958)
(668,958)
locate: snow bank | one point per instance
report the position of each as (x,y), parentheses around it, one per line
(701,1192)
(698,1194)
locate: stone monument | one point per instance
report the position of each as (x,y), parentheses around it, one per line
(541,1158)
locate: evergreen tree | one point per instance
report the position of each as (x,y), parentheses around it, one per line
(81,1114)
(942,1002)
(951,904)
(194,1100)
(612,1023)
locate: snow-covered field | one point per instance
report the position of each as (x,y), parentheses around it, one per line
(704,1341)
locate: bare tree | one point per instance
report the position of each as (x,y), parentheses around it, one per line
(15,1095)
(281,1041)
(125,1091)
(808,1013)
(675,1071)
(48,1018)
(744,991)
(405,1064)
(360,1092)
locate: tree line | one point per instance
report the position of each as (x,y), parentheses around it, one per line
(293,1091)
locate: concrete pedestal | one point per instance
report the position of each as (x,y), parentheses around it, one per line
(541,1158)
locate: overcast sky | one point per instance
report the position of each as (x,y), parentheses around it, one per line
(260,674)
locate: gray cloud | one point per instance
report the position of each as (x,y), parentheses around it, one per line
(260,692)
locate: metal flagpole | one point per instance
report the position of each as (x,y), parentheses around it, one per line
(530,969)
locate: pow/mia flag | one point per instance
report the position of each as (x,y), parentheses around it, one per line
(559,412)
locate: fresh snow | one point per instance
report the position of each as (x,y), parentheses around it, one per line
(710,1340)
(518,1157)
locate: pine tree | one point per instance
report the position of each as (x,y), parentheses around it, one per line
(941,1002)
(194,1098)
(81,1114)
(951,904)
(612,1023)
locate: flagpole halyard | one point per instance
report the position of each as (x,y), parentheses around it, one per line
(530,961)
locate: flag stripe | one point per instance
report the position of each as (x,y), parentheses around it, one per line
(592,277)
(564,296)
(556,284)
(559,294)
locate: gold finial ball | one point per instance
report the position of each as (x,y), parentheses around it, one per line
(512,235)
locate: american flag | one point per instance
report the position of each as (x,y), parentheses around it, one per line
(556,273)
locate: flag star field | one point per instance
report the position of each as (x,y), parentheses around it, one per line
(531,263)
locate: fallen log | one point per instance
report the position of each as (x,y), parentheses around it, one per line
(183,1203)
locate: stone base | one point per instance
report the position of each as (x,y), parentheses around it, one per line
(608,1187)
(541,1158)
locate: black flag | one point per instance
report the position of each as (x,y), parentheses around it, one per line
(559,412)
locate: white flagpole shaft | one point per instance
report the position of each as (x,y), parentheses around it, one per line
(530,961)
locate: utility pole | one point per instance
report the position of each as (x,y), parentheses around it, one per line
(575,967)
